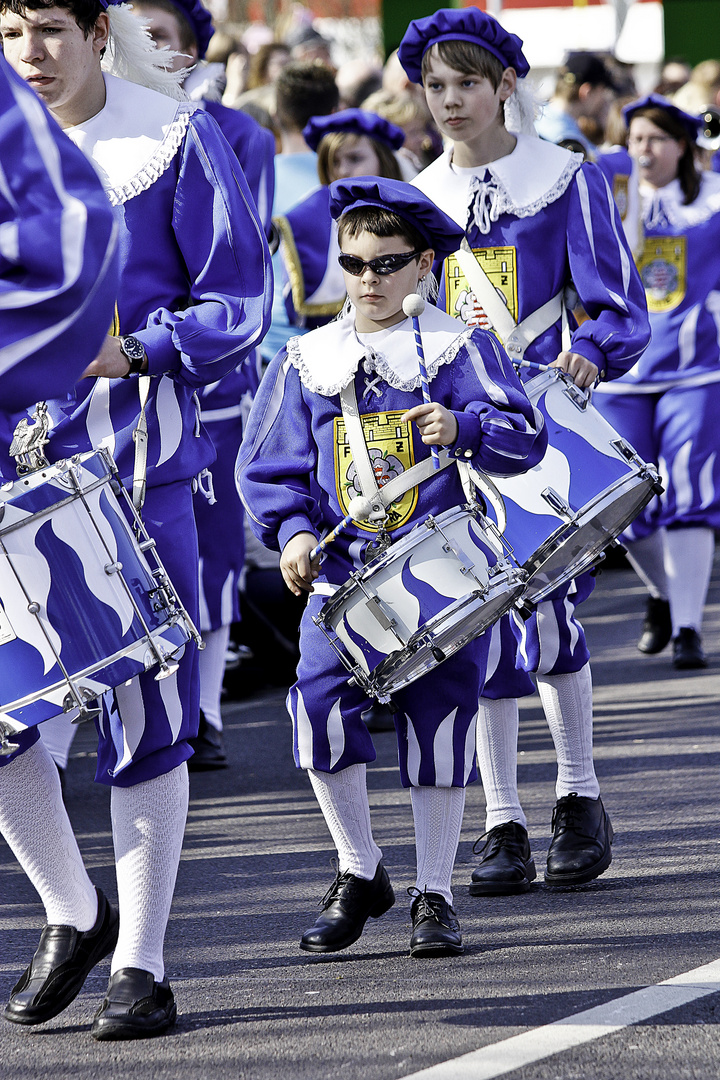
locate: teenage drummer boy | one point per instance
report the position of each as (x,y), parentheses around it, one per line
(297,478)
(539,221)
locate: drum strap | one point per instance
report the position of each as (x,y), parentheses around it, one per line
(140,439)
(381,497)
(516,337)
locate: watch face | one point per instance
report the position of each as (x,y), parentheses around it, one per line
(133,348)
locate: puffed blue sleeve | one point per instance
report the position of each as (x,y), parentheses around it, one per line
(225,251)
(499,429)
(603,272)
(58,272)
(277,458)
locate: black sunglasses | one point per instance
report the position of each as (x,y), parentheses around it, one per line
(386,264)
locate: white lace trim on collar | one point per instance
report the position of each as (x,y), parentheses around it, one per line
(134,137)
(664,207)
(328,358)
(522,183)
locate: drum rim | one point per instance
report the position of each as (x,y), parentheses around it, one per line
(582,563)
(395,657)
(89,672)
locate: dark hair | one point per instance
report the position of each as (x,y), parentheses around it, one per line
(332,142)
(85,12)
(186,33)
(467,57)
(687,174)
(304,88)
(380,222)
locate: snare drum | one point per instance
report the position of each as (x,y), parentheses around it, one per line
(558,517)
(84,605)
(415,605)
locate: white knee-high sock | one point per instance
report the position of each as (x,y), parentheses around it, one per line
(35,823)
(567,702)
(58,734)
(647,558)
(212,670)
(148,824)
(496,744)
(688,564)
(438,814)
(343,799)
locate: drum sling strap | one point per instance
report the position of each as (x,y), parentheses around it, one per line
(381,497)
(516,337)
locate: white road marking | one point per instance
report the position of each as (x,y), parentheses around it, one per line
(503,1057)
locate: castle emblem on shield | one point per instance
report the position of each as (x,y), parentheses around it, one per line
(662,269)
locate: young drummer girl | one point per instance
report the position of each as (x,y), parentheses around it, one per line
(297,476)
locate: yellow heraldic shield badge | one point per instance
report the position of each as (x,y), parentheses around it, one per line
(391,452)
(662,267)
(500,265)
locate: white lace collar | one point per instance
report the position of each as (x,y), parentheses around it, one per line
(665,207)
(133,138)
(328,358)
(534,175)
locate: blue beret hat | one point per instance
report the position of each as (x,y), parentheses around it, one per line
(692,124)
(442,234)
(354,122)
(198,16)
(460,24)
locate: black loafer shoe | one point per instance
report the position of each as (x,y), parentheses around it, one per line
(687,650)
(347,905)
(657,627)
(436,931)
(64,958)
(582,834)
(135,1007)
(506,865)
(208,747)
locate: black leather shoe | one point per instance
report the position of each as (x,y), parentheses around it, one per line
(347,905)
(687,650)
(580,848)
(657,627)
(209,749)
(63,960)
(135,1007)
(436,931)
(506,865)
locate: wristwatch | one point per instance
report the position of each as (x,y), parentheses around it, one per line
(134,351)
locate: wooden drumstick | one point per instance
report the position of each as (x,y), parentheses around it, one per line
(359,509)
(413,306)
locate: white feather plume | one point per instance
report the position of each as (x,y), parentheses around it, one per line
(132,54)
(522,109)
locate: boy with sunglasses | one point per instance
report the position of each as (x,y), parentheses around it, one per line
(297,473)
(540,223)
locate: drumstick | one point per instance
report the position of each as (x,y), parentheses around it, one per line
(532,364)
(413,305)
(359,509)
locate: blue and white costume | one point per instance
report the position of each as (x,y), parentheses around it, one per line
(58,274)
(667,404)
(540,221)
(194,288)
(220,517)
(294,475)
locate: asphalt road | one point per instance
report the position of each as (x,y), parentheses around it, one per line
(256,863)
